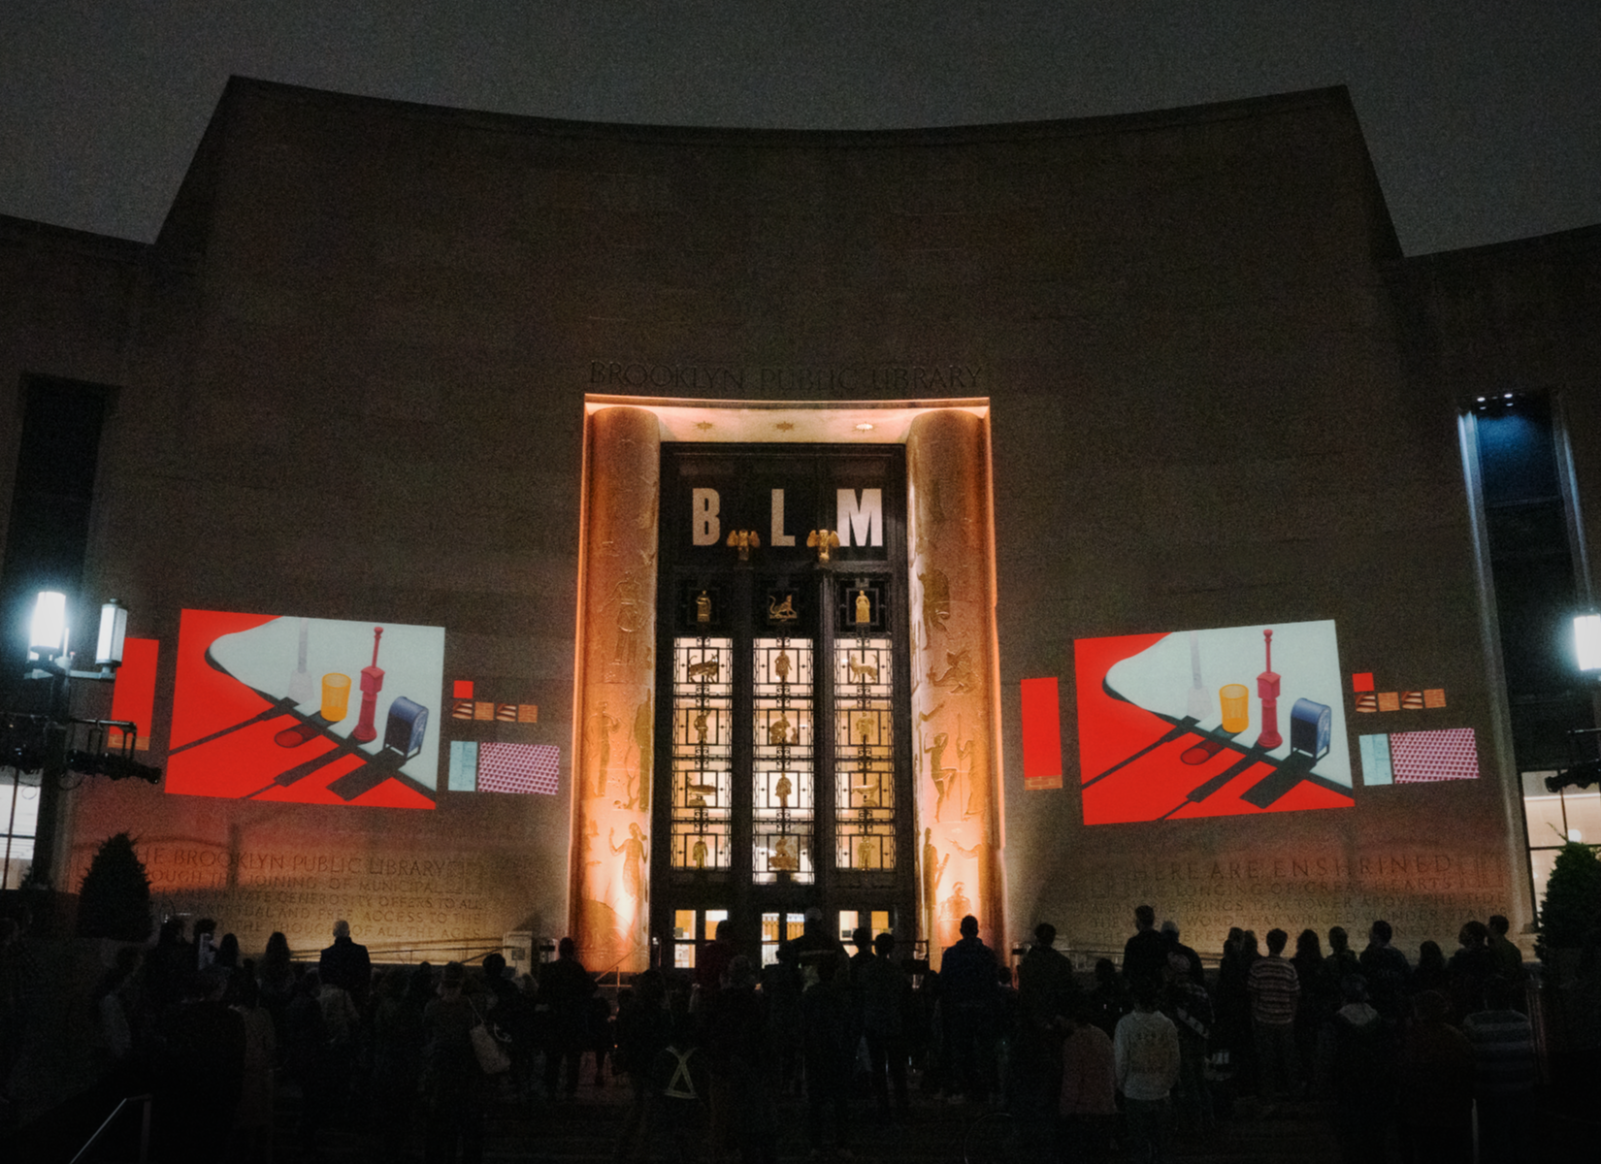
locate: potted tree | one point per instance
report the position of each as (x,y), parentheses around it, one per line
(114,900)
(1569,947)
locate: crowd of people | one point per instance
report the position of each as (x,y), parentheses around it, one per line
(716,1057)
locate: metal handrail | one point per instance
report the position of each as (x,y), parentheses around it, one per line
(144,1127)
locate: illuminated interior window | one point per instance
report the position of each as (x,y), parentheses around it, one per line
(779,927)
(684,939)
(703,769)
(864,754)
(877,921)
(1553,818)
(19,818)
(783,794)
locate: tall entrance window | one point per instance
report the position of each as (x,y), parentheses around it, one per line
(782,652)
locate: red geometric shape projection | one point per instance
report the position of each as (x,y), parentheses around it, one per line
(1362,681)
(1042,734)
(133,695)
(1427,757)
(461,689)
(263,709)
(1154,743)
(524,768)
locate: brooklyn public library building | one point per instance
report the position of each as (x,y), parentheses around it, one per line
(541,528)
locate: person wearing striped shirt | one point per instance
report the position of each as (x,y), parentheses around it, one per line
(1275,989)
(1504,1071)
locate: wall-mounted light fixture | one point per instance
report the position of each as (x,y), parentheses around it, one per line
(49,636)
(1587,643)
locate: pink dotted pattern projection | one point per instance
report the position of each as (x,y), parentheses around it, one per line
(1424,757)
(520,768)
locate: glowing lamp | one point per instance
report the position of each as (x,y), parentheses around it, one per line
(1586,641)
(113,630)
(47,635)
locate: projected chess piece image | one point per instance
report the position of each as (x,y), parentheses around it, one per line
(302,688)
(1199,706)
(1235,699)
(372,682)
(1267,689)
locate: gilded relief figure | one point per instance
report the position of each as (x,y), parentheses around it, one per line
(866,728)
(936,602)
(700,726)
(957,906)
(778,731)
(638,788)
(863,672)
(823,540)
(703,607)
(629,594)
(703,671)
(869,793)
(867,853)
(943,777)
(589,847)
(864,609)
(781,666)
(966,755)
(633,854)
(697,855)
(601,727)
(695,795)
(782,611)
(933,871)
(959,676)
(783,859)
(784,789)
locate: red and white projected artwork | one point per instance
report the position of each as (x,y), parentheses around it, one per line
(1200,723)
(306,710)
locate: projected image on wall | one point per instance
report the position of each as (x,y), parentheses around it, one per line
(306,710)
(1211,723)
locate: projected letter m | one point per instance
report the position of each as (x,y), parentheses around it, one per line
(860,525)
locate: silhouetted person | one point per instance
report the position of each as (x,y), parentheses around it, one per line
(1386,970)
(885,997)
(1144,954)
(1470,968)
(1436,1085)
(200,1068)
(1275,991)
(1504,1073)
(1109,998)
(1508,958)
(345,964)
(1146,1050)
(742,1067)
(1088,1100)
(970,999)
(1362,1046)
(1192,968)
(564,991)
(1430,972)
(830,1054)
(453,1085)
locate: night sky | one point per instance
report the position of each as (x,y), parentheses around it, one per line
(1483,116)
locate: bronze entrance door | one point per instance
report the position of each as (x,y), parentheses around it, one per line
(782,755)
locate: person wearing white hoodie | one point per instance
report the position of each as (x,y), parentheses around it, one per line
(1145,1047)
